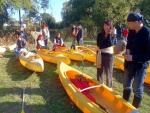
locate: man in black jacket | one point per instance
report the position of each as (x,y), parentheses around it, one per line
(80,35)
(136,60)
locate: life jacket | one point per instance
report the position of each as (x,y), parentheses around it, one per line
(58,41)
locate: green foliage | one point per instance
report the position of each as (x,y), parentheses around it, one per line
(49,20)
(30,6)
(3,17)
(144,7)
(115,10)
(93,12)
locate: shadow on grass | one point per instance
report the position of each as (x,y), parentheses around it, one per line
(53,93)
(8,54)
(118,75)
(45,95)
(54,103)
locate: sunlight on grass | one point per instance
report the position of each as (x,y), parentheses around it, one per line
(44,91)
(10,98)
(34,99)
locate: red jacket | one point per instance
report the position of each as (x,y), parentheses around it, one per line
(125,32)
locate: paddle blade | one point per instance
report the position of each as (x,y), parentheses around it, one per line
(22,111)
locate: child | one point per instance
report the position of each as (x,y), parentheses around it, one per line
(58,41)
(40,42)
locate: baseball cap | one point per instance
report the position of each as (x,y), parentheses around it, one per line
(134,16)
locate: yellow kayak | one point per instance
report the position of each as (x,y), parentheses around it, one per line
(93,97)
(52,57)
(119,62)
(89,54)
(72,54)
(93,47)
(7,48)
(121,56)
(2,49)
(10,48)
(34,63)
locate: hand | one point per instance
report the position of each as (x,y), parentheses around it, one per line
(128,57)
(111,31)
(80,38)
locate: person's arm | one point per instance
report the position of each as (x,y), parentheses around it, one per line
(39,42)
(62,42)
(55,41)
(17,44)
(123,49)
(25,43)
(48,34)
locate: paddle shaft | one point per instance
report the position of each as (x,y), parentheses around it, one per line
(90,88)
(23,98)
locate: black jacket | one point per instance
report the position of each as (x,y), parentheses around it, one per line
(104,42)
(139,45)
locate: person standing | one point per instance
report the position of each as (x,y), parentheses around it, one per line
(115,35)
(73,35)
(125,33)
(136,59)
(46,34)
(119,31)
(104,62)
(80,35)
(23,33)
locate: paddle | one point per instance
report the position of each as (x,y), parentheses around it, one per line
(23,98)
(90,88)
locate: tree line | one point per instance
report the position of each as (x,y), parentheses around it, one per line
(89,13)
(93,12)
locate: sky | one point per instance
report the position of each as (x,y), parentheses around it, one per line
(54,10)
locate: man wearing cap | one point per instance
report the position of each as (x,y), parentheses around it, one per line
(20,45)
(136,60)
(23,34)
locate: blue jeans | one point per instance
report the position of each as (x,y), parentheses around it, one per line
(134,77)
(17,51)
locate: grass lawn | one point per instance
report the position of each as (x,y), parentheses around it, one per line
(44,92)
